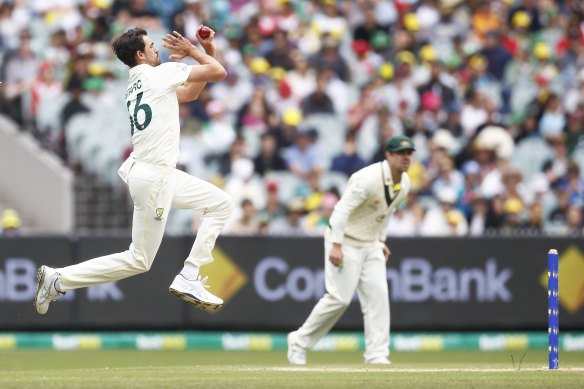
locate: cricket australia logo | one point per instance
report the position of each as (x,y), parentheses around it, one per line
(159,212)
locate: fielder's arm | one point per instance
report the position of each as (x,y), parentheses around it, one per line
(351,199)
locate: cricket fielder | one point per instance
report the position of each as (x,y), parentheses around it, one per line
(154,92)
(355,247)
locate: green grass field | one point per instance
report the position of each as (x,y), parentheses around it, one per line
(269,369)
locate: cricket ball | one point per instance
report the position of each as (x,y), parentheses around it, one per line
(204,32)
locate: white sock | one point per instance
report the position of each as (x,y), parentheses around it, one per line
(190,271)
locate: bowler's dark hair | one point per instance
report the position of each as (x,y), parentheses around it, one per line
(127,44)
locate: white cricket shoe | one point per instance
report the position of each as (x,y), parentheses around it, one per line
(378,361)
(46,291)
(195,292)
(296,354)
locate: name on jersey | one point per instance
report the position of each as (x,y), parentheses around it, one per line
(133,88)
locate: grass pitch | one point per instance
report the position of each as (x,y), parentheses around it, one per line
(269,369)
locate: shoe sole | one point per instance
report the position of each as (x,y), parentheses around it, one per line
(196,302)
(40,279)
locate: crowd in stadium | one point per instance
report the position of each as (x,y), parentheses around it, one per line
(491,92)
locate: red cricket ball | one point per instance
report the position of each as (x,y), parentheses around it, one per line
(204,32)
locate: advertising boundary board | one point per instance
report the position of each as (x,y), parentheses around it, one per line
(258,341)
(272,284)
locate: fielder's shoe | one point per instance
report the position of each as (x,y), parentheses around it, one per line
(296,354)
(195,292)
(46,291)
(379,361)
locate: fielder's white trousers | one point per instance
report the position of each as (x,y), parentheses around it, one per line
(154,190)
(363,269)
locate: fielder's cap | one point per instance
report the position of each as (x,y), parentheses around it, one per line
(397,143)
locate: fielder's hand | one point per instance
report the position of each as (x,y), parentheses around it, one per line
(336,254)
(386,252)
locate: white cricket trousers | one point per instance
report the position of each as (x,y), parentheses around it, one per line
(363,269)
(154,190)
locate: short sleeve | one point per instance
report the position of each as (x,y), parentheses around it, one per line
(172,74)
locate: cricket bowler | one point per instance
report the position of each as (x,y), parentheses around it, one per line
(153,96)
(356,253)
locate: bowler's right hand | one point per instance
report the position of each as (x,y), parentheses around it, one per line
(207,43)
(336,254)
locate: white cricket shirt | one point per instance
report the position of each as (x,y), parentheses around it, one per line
(153,110)
(360,217)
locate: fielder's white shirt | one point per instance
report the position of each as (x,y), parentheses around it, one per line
(360,217)
(153,110)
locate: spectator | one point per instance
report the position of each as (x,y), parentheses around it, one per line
(330,58)
(303,157)
(497,56)
(448,177)
(317,220)
(496,213)
(558,215)
(485,19)
(573,222)
(348,162)
(512,216)
(436,85)
(279,56)
(187,19)
(406,221)
(575,130)
(573,184)
(217,133)
(255,116)
(302,78)
(10,223)
(233,92)
(375,131)
(242,184)
(292,224)
(319,101)
(534,223)
(247,225)
(473,113)
(273,209)
(552,121)
(370,25)
(444,220)
(19,69)
(74,105)
(268,160)
(43,90)
(477,222)
(401,94)
(287,133)
(365,107)
(226,160)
